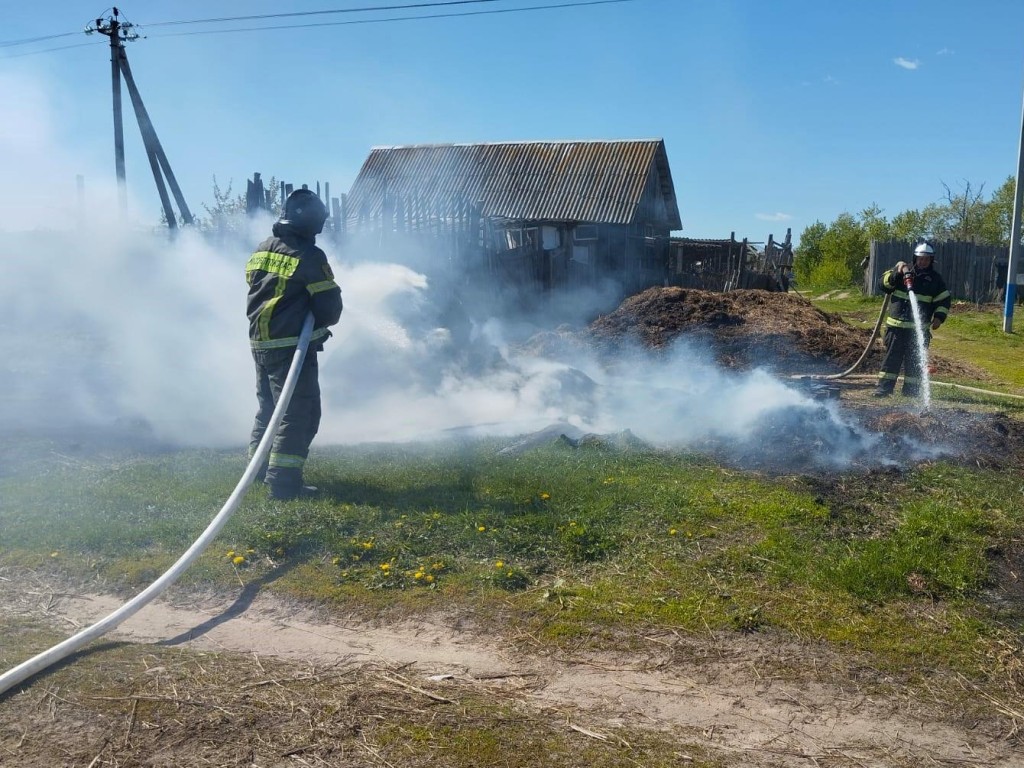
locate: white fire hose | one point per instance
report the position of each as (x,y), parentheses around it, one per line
(38,663)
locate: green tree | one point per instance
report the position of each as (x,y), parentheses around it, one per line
(843,248)
(875,224)
(909,226)
(997,216)
(807,255)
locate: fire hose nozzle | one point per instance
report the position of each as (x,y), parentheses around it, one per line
(908,280)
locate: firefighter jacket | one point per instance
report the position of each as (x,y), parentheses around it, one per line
(932,298)
(288,277)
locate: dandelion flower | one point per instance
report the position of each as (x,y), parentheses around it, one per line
(229,553)
(545,495)
(238,560)
(429,578)
(499,564)
(418,575)
(482,528)
(672,532)
(385,566)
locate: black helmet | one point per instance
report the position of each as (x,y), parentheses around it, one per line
(305,212)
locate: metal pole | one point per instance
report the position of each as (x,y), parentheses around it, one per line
(115,82)
(1011,269)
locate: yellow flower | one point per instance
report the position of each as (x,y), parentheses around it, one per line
(482,528)
(499,564)
(418,575)
(250,551)
(336,560)
(429,578)
(238,560)
(437,566)
(385,566)
(230,553)
(545,495)
(367,545)
(672,532)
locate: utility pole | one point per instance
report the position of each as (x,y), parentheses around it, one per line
(119,32)
(1011,269)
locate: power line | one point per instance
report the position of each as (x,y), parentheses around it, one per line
(552,6)
(320,13)
(11,43)
(394,18)
(27,40)
(44,50)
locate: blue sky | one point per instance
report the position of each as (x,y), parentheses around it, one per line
(774,114)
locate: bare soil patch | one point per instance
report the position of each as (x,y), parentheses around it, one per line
(230,693)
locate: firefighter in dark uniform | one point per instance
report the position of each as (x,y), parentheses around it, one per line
(289,277)
(933,300)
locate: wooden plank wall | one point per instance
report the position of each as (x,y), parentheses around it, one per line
(973,272)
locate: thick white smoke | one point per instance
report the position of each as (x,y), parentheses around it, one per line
(109,325)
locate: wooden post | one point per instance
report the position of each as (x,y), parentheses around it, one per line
(336,212)
(115,82)
(153,145)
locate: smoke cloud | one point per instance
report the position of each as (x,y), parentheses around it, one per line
(109,326)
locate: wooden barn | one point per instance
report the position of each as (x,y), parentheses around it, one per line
(537,216)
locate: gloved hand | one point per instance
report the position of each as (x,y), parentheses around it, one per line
(900,268)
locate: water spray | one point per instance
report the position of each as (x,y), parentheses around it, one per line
(922,347)
(45,659)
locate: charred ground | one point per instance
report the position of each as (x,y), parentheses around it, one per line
(786,334)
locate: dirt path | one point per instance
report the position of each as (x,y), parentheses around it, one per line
(719,695)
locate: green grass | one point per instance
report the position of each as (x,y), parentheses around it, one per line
(613,540)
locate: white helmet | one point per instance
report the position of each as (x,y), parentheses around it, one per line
(924,250)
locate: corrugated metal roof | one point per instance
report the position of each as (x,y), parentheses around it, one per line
(576,181)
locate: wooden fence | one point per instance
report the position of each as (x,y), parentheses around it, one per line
(973,272)
(724,265)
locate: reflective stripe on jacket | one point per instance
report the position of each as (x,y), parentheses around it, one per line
(289,276)
(933,298)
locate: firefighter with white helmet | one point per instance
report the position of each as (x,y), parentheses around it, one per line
(933,300)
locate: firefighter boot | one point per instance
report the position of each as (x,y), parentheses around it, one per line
(285,483)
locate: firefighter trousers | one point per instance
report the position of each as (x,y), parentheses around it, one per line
(901,352)
(301,421)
